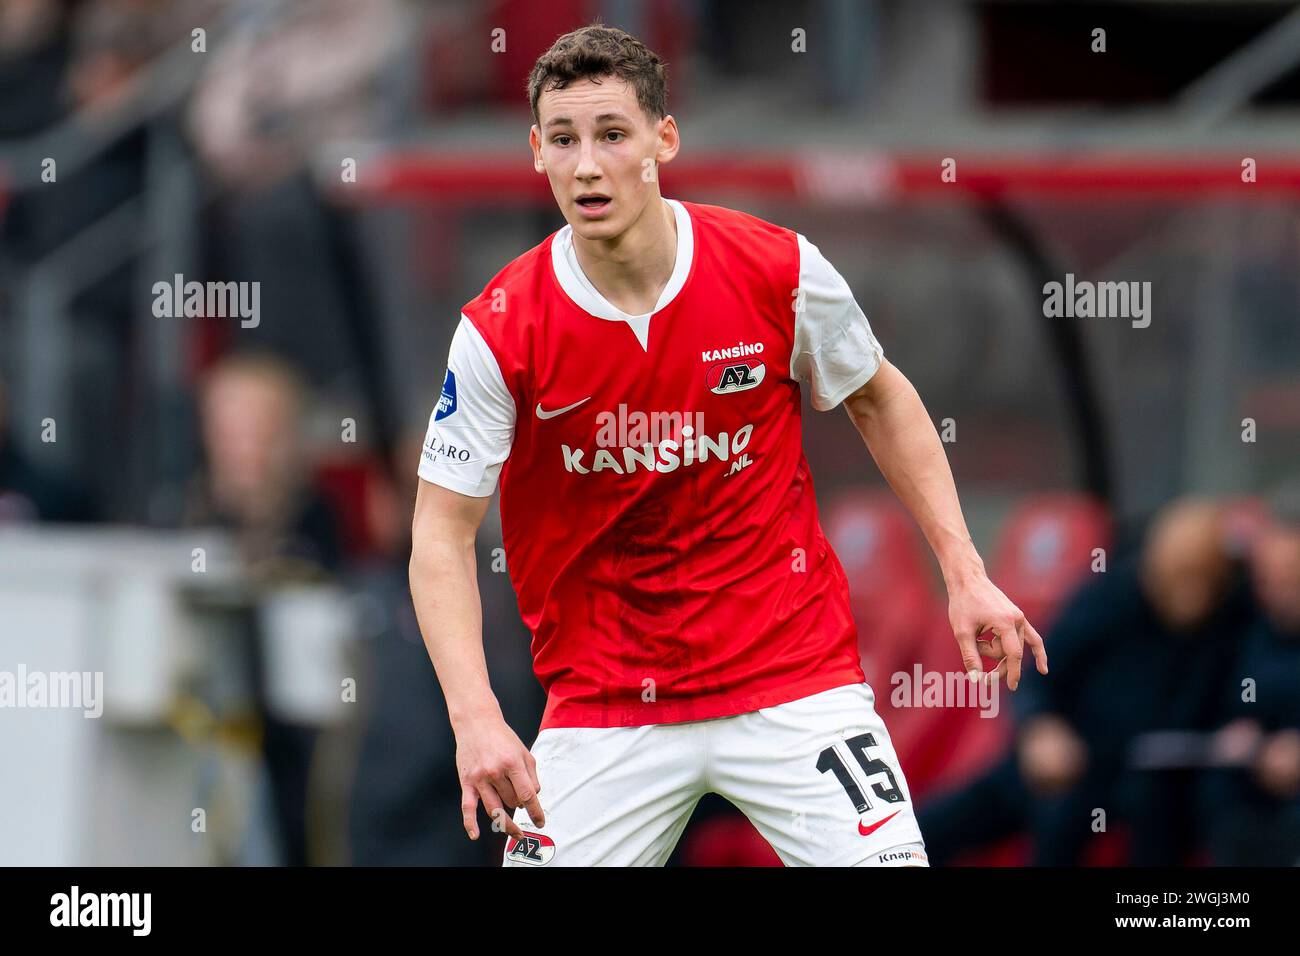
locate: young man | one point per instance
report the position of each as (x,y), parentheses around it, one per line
(633,385)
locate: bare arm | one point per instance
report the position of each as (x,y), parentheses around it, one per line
(893,422)
(494,765)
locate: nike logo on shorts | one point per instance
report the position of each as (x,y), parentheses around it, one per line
(867,831)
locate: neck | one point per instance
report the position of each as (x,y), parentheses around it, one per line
(632,269)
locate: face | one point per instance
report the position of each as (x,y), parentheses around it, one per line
(601,154)
(1186,588)
(1276,572)
(1186,570)
(248,427)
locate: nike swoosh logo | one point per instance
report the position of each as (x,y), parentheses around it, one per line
(559,411)
(867,831)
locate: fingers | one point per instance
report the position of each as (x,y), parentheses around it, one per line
(1005,647)
(1014,650)
(970,657)
(501,817)
(503,776)
(501,793)
(997,650)
(469,810)
(1036,645)
(501,783)
(532,771)
(526,794)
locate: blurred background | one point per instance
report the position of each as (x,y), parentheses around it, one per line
(211,511)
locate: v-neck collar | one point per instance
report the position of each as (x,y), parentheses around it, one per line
(574,282)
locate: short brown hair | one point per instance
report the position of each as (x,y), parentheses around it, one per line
(596,51)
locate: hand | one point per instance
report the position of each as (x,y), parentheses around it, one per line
(1236,743)
(977,607)
(496,767)
(1052,755)
(1278,765)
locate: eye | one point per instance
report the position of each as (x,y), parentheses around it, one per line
(615,133)
(562,136)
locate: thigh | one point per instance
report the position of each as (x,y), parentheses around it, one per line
(820,780)
(613,796)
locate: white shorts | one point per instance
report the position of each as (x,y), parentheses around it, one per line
(818,777)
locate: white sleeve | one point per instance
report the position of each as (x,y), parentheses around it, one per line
(835,350)
(472,427)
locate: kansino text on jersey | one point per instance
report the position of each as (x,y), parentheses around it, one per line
(668,455)
(739,350)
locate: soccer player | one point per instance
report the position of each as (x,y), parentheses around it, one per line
(632,385)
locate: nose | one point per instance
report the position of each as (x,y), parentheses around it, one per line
(587,167)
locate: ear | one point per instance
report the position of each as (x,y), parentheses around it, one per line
(535,141)
(670,140)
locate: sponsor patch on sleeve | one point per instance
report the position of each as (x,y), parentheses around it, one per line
(447,400)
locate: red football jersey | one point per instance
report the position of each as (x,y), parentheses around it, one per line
(657,509)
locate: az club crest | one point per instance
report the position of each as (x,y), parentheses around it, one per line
(735,376)
(534,849)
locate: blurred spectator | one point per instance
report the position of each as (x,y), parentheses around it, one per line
(33,58)
(1140,648)
(265,108)
(405,803)
(1253,813)
(256,479)
(93,64)
(256,484)
(27,491)
(270,98)
(113,41)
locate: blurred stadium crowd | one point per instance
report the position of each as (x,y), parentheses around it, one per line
(1173,703)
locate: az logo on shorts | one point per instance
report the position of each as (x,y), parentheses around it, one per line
(532,848)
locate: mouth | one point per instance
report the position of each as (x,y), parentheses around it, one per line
(593,204)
